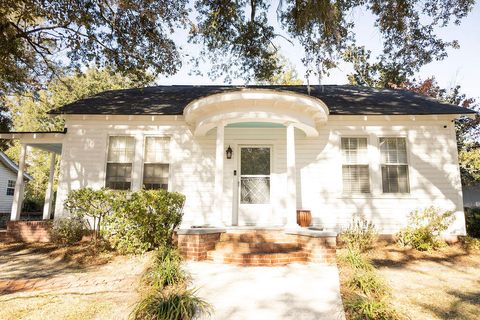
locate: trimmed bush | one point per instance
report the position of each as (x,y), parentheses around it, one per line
(92,203)
(143,220)
(424,229)
(66,231)
(472,221)
(360,234)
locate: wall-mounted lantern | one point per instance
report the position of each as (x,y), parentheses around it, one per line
(229,152)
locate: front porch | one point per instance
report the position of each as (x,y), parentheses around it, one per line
(255,175)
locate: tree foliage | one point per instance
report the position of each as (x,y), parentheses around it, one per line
(325,30)
(287,75)
(29,113)
(239,38)
(37,38)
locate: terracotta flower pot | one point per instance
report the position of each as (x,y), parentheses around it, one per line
(304,218)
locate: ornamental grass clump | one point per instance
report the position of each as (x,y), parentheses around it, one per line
(361,235)
(168,296)
(424,229)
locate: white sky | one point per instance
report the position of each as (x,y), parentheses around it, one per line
(462,66)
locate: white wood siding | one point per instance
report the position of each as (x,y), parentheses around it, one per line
(432,155)
(5,201)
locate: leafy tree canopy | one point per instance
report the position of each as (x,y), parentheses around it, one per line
(29,113)
(38,37)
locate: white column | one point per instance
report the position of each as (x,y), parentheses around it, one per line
(291,199)
(47,207)
(18,193)
(219,156)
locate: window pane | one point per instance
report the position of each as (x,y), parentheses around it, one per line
(157,149)
(119,176)
(395,179)
(356,179)
(354,150)
(255,190)
(121,149)
(155,176)
(11,184)
(255,161)
(393,150)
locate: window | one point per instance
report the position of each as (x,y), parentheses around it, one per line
(119,162)
(394,165)
(355,170)
(10,187)
(156,163)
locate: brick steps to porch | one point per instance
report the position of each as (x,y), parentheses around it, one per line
(256,248)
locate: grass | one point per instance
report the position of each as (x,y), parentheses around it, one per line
(442,284)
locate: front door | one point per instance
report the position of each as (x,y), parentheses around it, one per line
(254,185)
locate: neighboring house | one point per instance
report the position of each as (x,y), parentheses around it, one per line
(8,177)
(471,196)
(251,156)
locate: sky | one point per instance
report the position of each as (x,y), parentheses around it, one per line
(461,67)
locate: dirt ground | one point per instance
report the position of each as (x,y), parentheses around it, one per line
(47,282)
(439,285)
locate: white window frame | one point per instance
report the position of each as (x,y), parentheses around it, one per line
(169,184)
(109,137)
(407,164)
(364,163)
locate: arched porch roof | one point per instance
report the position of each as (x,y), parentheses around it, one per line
(256,105)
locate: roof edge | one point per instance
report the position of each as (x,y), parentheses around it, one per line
(10,164)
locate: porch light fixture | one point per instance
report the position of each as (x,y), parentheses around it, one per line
(229,152)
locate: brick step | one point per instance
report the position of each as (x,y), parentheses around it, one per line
(4,236)
(254,247)
(257,237)
(257,259)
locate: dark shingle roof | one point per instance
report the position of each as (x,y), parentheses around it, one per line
(340,99)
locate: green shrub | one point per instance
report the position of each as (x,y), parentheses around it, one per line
(363,307)
(66,231)
(424,229)
(167,269)
(360,234)
(143,220)
(92,203)
(471,243)
(472,221)
(176,304)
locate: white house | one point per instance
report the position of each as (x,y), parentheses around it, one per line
(8,177)
(337,151)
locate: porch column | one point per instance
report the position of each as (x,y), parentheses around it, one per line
(218,201)
(47,207)
(19,185)
(291,199)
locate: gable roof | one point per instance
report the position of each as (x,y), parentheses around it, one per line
(7,162)
(340,99)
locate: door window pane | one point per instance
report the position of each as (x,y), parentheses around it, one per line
(255,161)
(255,190)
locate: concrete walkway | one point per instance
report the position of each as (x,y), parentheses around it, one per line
(296,291)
